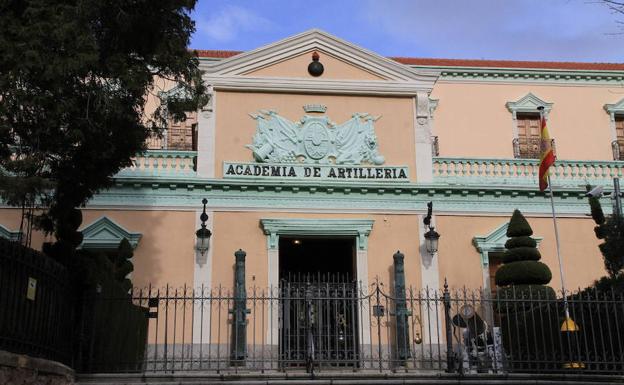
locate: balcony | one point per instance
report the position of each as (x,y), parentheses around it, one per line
(162,163)
(569,173)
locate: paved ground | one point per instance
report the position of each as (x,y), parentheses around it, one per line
(344,378)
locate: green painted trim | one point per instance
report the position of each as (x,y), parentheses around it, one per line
(494,242)
(615,108)
(104,233)
(267,195)
(9,234)
(536,75)
(528,103)
(275,227)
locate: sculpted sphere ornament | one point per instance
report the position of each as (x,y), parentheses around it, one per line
(315,68)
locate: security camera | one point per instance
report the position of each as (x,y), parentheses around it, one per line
(596,192)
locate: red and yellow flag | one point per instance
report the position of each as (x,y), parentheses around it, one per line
(547,156)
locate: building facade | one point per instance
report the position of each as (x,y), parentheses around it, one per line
(332,171)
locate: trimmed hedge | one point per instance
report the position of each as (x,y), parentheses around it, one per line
(522,254)
(518,225)
(523,273)
(522,241)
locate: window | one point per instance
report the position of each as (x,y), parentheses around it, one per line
(526,118)
(528,136)
(495,261)
(618,144)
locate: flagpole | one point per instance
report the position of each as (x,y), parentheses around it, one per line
(554,216)
(563,289)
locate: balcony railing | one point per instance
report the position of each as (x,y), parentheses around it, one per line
(166,163)
(181,139)
(529,148)
(523,171)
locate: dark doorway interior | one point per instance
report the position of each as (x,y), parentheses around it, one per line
(332,257)
(318,302)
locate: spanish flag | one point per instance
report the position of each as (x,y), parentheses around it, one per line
(547,156)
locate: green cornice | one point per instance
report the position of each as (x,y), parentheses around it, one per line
(532,75)
(186,194)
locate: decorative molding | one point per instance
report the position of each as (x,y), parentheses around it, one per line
(528,103)
(494,242)
(9,234)
(433,105)
(321,41)
(315,108)
(359,228)
(400,80)
(317,86)
(104,233)
(527,76)
(315,139)
(615,109)
(323,196)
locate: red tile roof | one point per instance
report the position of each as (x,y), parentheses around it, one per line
(215,53)
(550,65)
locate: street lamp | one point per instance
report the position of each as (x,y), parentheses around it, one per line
(431,236)
(203,234)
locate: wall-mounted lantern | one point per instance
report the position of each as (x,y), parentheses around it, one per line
(203,234)
(431,236)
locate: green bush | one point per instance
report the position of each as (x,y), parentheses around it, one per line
(523,273)
(510,299)
(521,267)
(518,225)
(522,241)
(522,253)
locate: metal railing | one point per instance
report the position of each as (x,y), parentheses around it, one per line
(180,139)
(36,304)
(325,326)
(529,148)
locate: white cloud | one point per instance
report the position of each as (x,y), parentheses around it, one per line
(529,29)
(228,23)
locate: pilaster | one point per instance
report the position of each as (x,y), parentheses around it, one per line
(422,133)
(206,123)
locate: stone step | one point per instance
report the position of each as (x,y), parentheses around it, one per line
(344,378)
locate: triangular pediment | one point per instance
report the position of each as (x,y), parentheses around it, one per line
(528,103)
(105,234)
(495,240)
(615,108)
(289,58)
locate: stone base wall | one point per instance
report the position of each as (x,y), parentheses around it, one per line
(16,369)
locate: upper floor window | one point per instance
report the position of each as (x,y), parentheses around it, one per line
(616,115)
(526,128)
(528,143)
(618,144)
(178,136)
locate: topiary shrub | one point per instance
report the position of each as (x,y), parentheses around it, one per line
(522,275)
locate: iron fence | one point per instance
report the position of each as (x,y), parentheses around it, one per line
(323,326)
(36,304)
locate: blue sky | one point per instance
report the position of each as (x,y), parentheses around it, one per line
(568,30)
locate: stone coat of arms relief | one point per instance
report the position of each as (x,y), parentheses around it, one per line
(315,140)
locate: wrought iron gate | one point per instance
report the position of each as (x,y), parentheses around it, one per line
(318,321)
